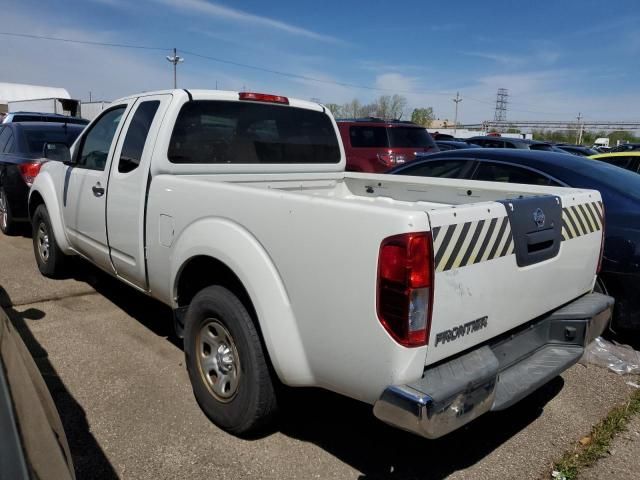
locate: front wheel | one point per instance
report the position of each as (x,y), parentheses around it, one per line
(50,259)
(227,364)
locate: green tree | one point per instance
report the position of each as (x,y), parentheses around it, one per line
(423,116)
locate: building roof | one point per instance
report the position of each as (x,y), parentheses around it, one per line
(10,92)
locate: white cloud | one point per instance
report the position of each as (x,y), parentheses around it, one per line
(227,13)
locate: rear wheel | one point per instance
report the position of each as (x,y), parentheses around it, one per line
(50,259)
(226,362)
(7,224)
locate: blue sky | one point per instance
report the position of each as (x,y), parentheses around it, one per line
(557,58)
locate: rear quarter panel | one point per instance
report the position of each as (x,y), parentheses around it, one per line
(309,264)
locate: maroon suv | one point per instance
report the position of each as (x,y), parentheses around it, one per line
(374,145)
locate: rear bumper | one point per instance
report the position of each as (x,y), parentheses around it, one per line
(495,376)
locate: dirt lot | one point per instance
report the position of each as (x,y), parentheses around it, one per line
(117,375)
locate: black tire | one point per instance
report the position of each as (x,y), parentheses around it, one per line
(53,263)
(250,405)
(7,224)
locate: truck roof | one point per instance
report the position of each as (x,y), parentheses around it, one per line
(226,95)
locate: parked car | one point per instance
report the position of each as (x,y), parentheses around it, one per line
(627,160)
(42,117)
(33,444)
(21,156)
(235,210)
(444,145)
(620,190)
(491,141)
(579,150)
(374,145)
(625,147)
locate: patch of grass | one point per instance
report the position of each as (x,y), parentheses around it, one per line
(595,445)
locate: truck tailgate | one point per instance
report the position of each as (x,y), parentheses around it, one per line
(501,264)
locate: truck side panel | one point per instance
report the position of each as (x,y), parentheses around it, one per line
(325,252)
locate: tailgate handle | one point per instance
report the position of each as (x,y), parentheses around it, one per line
(540,241)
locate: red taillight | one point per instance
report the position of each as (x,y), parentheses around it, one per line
(263,97)
(405,287)
(601,244)
(29,171)
(390,159)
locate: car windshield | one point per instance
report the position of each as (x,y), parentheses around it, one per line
(409,137)
(36,138)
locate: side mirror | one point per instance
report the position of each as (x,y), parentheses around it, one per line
(57,151)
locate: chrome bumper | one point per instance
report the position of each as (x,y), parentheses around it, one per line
(495,376)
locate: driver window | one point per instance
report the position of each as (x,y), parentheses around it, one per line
(97,141)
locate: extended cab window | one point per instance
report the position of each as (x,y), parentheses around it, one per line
(247,132)
(97,142)
(137,136)
(368,137)
(499,172)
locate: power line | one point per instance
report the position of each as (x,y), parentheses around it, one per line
(83,42)
(261,69)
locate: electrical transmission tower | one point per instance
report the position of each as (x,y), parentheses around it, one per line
(502,99)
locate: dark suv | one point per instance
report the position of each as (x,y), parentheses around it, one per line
(374,145)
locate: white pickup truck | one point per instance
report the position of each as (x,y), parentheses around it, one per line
(434,300)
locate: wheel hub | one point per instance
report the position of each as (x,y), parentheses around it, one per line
(218,360)
(43,243)
(3,211)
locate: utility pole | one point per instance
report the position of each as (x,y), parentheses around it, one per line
(456,100)
(579,133)
(175,59)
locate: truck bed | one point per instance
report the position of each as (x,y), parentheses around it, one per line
(330,227)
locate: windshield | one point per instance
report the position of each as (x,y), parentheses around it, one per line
(409,137)
(35,139)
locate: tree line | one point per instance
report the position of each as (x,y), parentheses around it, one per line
(588,137)
(387,107)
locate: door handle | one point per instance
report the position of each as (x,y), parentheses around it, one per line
(98,190)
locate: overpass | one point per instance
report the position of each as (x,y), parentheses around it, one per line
(554,125)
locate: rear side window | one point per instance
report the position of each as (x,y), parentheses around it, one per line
(5,133)
(499,172)
(622,162)
(27,118)
(438,168)
(402,137)
(368,137)
(541,146)
(246,132)
(137,136)
(8,148)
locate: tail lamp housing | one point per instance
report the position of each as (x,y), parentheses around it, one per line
(405,287)
(390,159)
(29,171)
